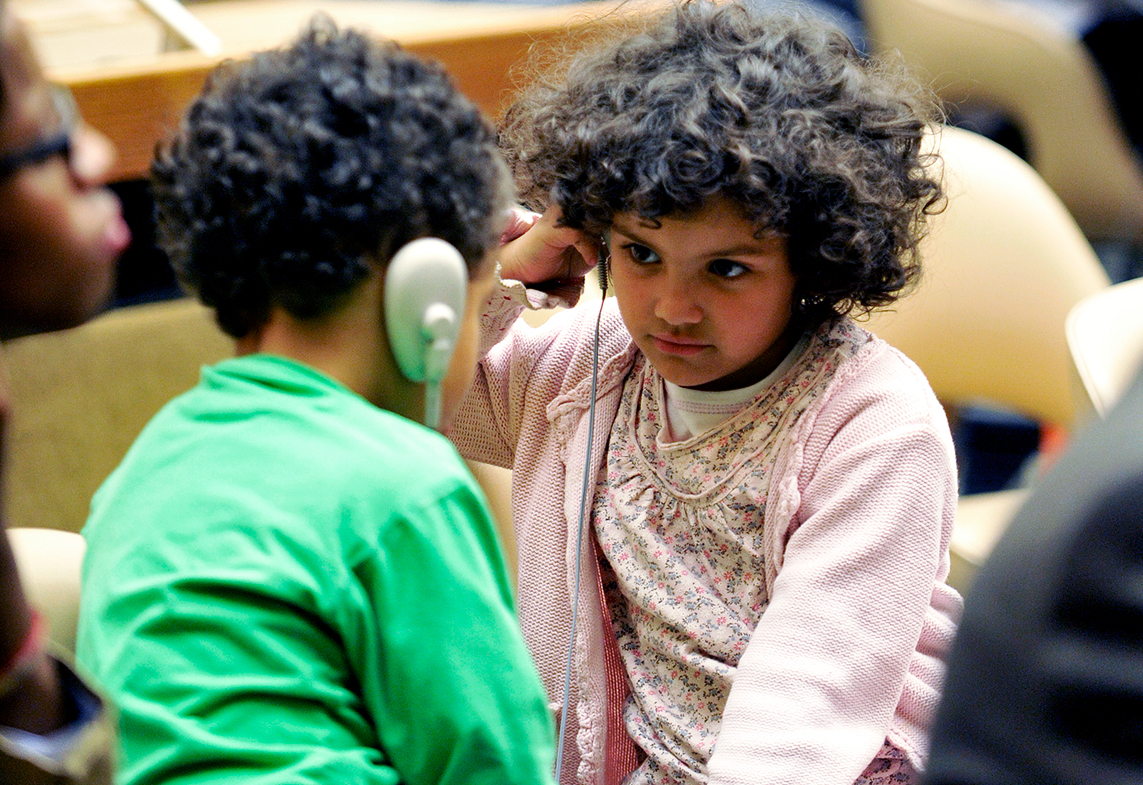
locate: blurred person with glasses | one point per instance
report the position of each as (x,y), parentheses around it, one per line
(61,232)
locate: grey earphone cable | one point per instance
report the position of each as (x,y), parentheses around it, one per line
(587,466)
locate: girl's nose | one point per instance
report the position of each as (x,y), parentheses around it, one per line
(677,302)
(92,156)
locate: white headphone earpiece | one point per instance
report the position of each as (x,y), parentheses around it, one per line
(425,287)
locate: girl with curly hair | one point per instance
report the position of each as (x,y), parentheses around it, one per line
(731,499)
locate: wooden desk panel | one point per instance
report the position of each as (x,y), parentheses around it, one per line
(110,51)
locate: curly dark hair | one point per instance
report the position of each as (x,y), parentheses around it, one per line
(778,113)
(297,171)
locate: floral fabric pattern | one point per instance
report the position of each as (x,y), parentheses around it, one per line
(890,767)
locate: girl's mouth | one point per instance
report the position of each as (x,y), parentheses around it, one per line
(678,346)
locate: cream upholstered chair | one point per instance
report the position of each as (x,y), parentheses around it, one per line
(496,481)
(49,562)
(1105,336)
(1011,56)
(1002,267)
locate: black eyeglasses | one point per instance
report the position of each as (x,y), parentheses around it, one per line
(58,143)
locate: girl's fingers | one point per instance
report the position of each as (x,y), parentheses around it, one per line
(588,256)
(519,221)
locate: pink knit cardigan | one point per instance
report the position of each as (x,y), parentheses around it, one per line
(861,507)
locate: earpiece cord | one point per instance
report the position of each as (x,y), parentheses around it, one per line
(432,404)
(587,466)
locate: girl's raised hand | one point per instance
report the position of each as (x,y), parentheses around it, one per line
(537,251)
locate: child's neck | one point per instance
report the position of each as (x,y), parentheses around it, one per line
(348,345)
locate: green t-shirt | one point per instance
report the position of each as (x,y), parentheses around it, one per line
(286,584)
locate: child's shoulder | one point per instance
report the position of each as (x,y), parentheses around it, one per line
(847,343)
(867,373)
(315,427)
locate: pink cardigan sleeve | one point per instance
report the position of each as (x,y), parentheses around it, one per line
(850,650)
(506,389)
(524,371)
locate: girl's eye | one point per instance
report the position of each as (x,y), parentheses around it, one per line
(725,268)
(641,253)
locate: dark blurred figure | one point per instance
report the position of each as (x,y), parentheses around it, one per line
(61,231)
(1045,680)
(1113,33)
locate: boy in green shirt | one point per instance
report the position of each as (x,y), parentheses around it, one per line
(289,578)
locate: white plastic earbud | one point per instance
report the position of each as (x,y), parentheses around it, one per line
(425,287)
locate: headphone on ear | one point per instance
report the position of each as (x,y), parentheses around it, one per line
(604,261)
(425,287)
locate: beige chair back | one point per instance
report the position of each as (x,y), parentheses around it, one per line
(1002,266)
(81,396)
(1009,55)
(1105,336)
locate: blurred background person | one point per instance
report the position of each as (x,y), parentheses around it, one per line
(1045,679)
(61,232)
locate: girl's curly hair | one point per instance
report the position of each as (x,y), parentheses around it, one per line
(297,172)
(779,113)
